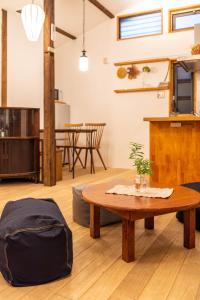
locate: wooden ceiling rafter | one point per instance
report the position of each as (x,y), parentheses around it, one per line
(59,30)
(102,8)
(65,33)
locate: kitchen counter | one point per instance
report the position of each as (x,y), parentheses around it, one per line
(175,149)
(178,118)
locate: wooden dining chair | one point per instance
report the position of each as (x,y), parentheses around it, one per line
(93,144)
(66,143)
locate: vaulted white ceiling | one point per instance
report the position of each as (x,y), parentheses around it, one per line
(69,13)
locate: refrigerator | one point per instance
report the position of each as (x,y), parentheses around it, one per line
(62,115)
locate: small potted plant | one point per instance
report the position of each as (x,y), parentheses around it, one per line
(143,165)
(145,71)
(196,49)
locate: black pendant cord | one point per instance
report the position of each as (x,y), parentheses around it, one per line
(83,25)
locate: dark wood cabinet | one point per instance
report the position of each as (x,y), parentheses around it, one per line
(19,143)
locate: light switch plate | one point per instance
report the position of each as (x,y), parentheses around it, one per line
(161,95)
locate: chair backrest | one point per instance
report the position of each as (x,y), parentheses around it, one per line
(69,135)
(96,136)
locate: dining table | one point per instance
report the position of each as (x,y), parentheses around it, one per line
(74,132)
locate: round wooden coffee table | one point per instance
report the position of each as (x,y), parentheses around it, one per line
(132,208)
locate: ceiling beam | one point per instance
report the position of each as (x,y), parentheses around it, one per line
(60,30)
(65,33)
(102,8)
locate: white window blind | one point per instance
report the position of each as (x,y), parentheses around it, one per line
(140,25)
(185,20)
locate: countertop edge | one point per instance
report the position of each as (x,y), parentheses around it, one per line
(172,119)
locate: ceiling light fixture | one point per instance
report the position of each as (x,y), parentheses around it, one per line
(83,61)
(33,19)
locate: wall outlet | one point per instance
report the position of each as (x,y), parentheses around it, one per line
(161,95)
(105,61)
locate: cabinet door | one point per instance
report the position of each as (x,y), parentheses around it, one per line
(3,156)
(18,156)
(21,156)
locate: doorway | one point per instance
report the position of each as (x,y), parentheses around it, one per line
(183,90)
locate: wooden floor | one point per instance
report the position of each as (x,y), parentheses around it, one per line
(163,269)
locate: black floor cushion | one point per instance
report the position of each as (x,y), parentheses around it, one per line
(180,216)
(35,242)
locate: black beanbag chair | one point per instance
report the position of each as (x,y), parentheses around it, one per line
(35,242)
(180,216)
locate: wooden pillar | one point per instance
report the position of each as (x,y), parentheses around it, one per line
(4,59)
(49,106)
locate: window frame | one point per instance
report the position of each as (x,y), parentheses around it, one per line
(141,13)
(176,11)
(171,90)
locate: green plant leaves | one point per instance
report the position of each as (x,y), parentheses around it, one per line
(142,165)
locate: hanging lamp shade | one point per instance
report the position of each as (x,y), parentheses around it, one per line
(33,19)
(83,62)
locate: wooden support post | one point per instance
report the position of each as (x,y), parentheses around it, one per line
(49,105)
(4,59)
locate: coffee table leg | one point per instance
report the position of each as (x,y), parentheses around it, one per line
(128,240)
(94,221)
(149,223)
(189,228)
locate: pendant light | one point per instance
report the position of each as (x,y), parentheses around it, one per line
(33,19)
(83,61)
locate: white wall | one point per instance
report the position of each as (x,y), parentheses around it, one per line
(25,67)
(91,95)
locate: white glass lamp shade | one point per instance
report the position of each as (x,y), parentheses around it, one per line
(33,19)
(83,62)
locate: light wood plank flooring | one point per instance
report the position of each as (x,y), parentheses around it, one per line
(163,269)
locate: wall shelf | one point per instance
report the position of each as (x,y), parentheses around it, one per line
(144,89)
(143,61)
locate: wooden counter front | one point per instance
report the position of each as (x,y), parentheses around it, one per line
(175,149)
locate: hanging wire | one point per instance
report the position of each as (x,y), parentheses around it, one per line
(83,25)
